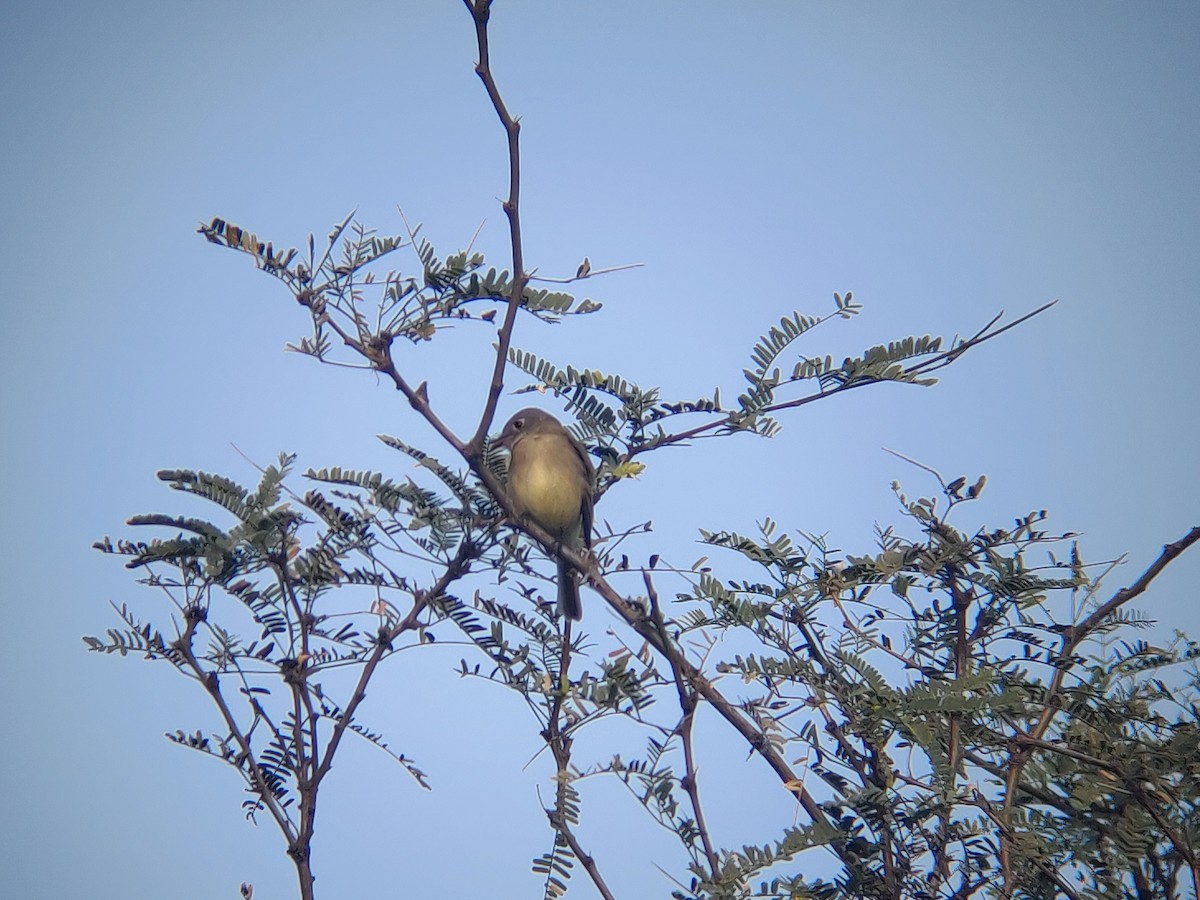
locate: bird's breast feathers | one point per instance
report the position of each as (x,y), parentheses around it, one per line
(547,493)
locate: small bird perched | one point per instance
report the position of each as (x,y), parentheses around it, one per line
(550,481)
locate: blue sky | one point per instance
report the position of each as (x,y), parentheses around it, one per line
(943,161)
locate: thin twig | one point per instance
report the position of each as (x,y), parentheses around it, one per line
(592,273)
(687,704)
(480,11)
(939,361)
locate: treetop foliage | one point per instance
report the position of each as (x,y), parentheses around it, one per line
(961,710)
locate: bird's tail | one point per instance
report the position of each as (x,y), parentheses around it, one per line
(568,592)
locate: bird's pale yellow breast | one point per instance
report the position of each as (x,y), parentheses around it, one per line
(545,481)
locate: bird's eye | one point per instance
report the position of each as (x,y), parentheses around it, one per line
(518,424)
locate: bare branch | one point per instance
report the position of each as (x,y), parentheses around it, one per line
(480,11)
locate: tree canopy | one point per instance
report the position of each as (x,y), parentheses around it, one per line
(961,710)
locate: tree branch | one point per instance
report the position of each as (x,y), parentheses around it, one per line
(480,11)
(1074,635)
(937,362)
(687,704)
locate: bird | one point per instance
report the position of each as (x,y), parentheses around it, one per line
(550,482)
